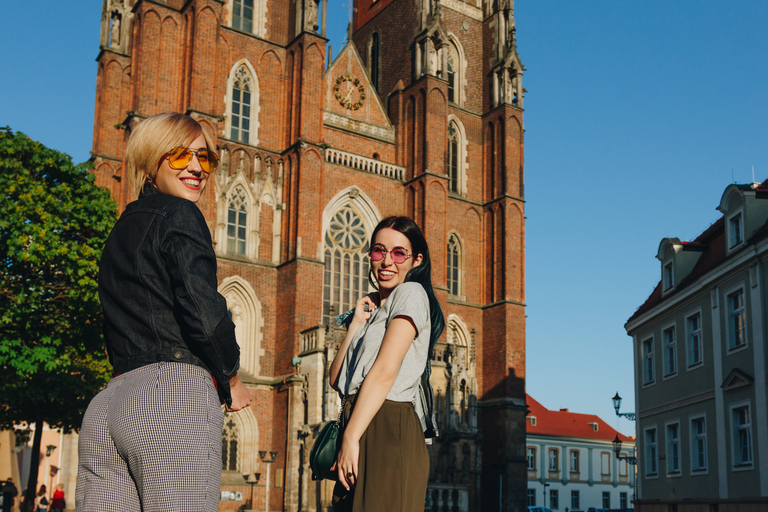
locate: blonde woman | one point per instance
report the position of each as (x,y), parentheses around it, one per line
(151,440)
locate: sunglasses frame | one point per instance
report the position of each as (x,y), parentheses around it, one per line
(384,255)
(196,154)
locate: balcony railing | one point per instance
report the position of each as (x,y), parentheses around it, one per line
(361,163)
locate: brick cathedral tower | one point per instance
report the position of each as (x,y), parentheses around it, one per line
(421,114)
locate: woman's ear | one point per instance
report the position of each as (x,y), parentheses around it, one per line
(417,260)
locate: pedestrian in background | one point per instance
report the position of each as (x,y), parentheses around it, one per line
(58,503)
(151,441)
(9,493)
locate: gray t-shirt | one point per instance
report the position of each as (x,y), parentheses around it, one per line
(406,300)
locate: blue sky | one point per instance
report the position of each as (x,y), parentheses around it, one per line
(638,115)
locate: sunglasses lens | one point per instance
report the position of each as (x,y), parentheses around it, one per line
(399,255)
(179,157)
(208,160)
(377,253)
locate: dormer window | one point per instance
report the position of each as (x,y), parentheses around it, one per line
(668,276)
(735,230)
(532,420)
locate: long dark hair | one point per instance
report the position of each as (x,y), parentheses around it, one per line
(421,274)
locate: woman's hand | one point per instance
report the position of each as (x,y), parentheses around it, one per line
(364,308)
(346,464)
(241,397)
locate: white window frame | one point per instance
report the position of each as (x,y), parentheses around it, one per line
(258,20)
(606,499)
(731,314)
(695,438)
(670,363)
(454,236)
(461,157)
(668,276)
(555,459)
(253,119)
(575,500)
(735,237)
(531,455)
(574,456)
(651,452)
(689,335)
(735,437)
(554,499)
(649,361)
(673,447)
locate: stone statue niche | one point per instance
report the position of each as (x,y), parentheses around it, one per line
(114,30)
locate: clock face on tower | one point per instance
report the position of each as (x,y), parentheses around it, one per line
(349,91)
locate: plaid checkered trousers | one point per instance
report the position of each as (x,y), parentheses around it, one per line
(151,441)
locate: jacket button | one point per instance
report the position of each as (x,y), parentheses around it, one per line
(177,354)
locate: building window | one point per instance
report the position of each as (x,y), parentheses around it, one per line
(605,466)
(451,79)
(649,373)
(242,15)
(673,448)
(229,446)
(698,444)
(575,500)
(554,499)
(574,461)
(670,352)
(623,469)
(346,262)
(554,462)
(454,265)
(453,158)
(694,340)
(737,319)
(531,459)
(736,231)
(651,453)
(531,497)
(241,110)
(606,499)
(669,276)
(742,436)
(623,503)
(237,213)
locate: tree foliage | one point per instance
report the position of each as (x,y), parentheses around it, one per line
(54,221)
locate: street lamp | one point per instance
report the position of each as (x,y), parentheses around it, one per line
(247,478)
(617,405)
(48,452)
(617,450)
(265,460)
(545,494)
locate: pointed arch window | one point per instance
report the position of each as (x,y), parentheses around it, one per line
(453,158)
(454,265)
(229,459)
(451,78)
(240,106)
(237,215)
(346,262)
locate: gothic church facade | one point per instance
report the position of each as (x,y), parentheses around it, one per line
(420,114)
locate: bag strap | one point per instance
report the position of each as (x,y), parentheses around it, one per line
(341,410)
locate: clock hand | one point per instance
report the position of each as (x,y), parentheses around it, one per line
(349,95)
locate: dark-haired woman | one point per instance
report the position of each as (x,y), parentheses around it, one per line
(151,440)
(383,464)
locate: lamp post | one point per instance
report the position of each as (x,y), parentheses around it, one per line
(617,450)
(247,478)
(48,452)
(545,494)
(617,405)
(265,460)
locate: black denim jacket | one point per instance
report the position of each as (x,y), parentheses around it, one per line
(157,285)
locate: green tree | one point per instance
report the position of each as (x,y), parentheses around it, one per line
(54,221)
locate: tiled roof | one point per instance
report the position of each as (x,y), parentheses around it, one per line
(712,244)
(564,423)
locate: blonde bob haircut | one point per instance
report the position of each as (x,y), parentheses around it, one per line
(152,139)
